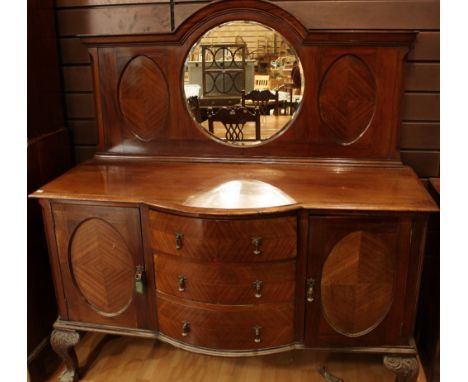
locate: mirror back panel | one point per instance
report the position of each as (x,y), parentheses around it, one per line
(350,107)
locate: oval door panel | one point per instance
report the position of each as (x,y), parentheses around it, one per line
(347,98)
(102,267)
(144,97)
(357,284)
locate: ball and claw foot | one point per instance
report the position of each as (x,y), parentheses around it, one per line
(63,342)
(405,368)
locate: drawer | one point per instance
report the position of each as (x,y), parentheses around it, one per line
(228,283)
(226,327)
(223,240)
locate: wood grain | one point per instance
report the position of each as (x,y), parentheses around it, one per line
(347,99)
(153,18)
(419,76)
(340,312)
(97,277)
(350,14)
(225,283)
(421,107)
(88,3)
(102,266)
(224,240)
(422,77)
(124,359)
(143,97)
(357,284)
(305,137)
(337,187)
(389,198)
(226,326)
(426,47)
(77,79)
(420,136)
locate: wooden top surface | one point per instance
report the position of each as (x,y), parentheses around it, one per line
(213,188)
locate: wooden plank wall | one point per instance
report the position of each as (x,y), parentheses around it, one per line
(420,126)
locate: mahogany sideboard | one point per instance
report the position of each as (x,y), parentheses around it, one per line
(313,239)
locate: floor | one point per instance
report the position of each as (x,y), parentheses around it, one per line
(125,359)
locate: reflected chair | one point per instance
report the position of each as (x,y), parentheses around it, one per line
(286,106)
(194,106)
(264,100)
(234,119)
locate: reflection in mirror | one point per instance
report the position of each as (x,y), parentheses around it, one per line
(243,83)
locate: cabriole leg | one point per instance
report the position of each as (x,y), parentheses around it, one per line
(405,368)
(63,342)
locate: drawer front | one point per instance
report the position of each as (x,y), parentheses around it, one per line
(223,240)
(229,283)
(226,327)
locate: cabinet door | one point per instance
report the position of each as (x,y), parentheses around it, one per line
(357,272)
(99,249)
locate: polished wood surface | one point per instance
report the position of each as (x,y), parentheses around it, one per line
(360,296)
(223,240)
(367,128)
(421,74)
(226,326)
(327,201)
(178,185)
(347,116)
(98,250)
(124,359)
(357,272)
(102,266)
(143,97)
(226,283)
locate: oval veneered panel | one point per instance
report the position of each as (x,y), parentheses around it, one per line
(102,266)
(357,284)
(347,99)
(144,97)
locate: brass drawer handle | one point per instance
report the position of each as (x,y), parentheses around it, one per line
(179,240)
(310,289)
(258,331)
(182,283)
(185,328)
(257,285)
(140,279)
(257,242)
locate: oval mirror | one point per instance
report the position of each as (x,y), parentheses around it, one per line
(243,83)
